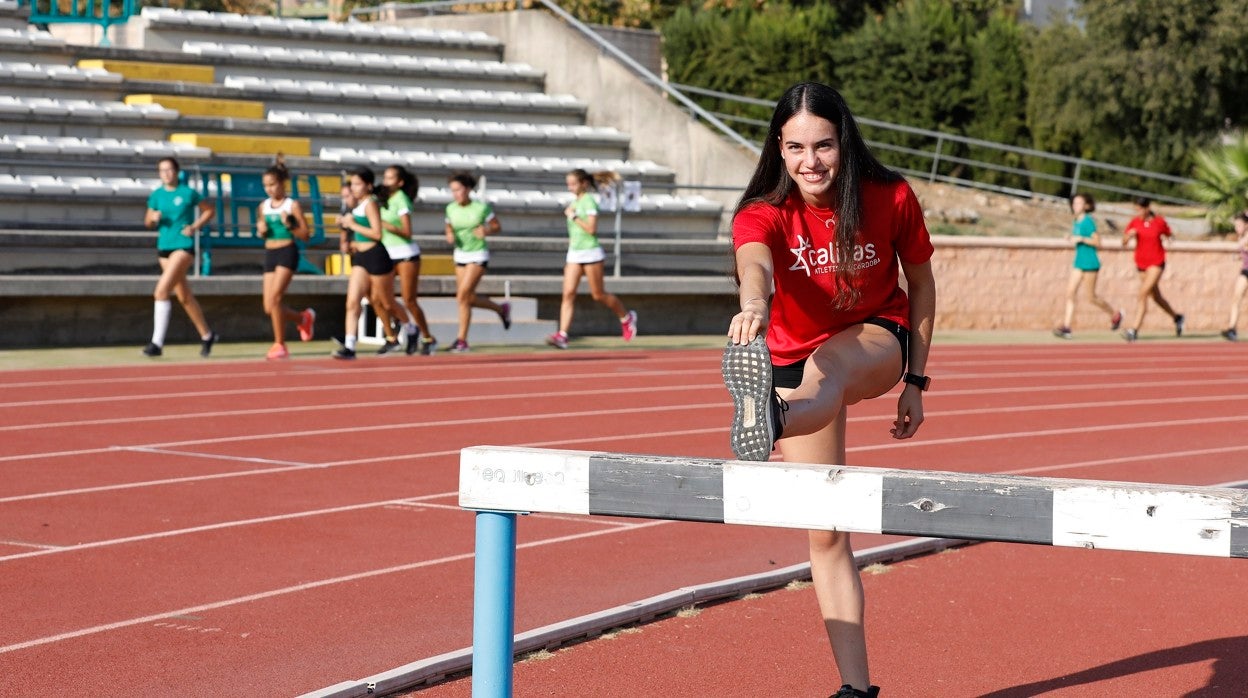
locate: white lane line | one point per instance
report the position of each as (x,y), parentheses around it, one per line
(334,464)
(1176,368)
(23,544)
(286,435)
(596,376)
(336,406)
(307,586)
(1126,459)
(224,525)
(357,371)
(595,439)
(213,456)
(1119,426)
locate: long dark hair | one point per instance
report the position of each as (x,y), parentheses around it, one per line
(409,183)
(771,184)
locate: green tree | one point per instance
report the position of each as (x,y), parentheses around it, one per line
(1145,83)
(1221,175)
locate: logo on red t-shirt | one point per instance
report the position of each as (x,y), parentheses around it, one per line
(823,260)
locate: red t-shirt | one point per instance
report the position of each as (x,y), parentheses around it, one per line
(1148,249)
(801,238)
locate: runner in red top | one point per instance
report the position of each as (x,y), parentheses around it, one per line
(821,235)
(1150,259)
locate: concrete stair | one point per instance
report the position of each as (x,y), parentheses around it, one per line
(442,314)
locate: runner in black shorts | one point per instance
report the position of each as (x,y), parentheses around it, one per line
(279,221)
(372,271)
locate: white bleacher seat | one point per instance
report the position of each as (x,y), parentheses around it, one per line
(73,146)
(88,186)
(29,37)
(7,147)
(124,186)
(44,106)
(435,195)
(47,185)
(8,5)
(26,71)
(13,106)
(34,145)
(63,73)
(10,184)
(113,146)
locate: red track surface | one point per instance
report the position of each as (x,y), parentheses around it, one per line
(246,528)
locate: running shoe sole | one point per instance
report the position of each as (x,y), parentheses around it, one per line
(747,375)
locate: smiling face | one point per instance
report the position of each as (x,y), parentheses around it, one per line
(460,193)
(811,149)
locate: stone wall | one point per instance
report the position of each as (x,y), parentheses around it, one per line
(1020,284)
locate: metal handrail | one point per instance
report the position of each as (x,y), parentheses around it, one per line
(654,80)
(98,12)
(1081,164)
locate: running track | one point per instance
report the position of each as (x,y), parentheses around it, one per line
(219,529)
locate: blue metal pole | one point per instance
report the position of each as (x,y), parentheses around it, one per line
(494,605)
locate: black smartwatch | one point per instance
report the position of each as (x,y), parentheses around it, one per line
(922,382)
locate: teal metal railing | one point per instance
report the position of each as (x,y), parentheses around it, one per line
(104,13)
(237,192)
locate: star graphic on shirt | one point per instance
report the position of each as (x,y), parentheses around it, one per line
(800,253)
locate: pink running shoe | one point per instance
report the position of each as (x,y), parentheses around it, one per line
(558,340)
(628,326)
(505,315)
(306,319)
(277,352)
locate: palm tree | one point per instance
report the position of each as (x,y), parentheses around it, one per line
(1221,175)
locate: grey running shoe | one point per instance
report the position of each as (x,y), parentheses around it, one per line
(756,407)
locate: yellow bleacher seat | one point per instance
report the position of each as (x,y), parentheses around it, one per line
(162,72)
(200,106)
(246,145)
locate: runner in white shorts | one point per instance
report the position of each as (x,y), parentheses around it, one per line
(585,258)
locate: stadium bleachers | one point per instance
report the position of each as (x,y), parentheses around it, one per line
(326,95)
(81,129)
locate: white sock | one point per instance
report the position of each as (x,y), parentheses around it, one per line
(160,321)
(349,342)
(410,329)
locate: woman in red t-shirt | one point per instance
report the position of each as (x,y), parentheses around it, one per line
(829,228)
(1150,259)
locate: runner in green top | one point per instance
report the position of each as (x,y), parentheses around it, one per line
(467,224)
(279,221)
(586,257)
(177,212)
(400,188)
(1087,265)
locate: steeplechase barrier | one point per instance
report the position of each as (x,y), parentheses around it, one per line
(499,483)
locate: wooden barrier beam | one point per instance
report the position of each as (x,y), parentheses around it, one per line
(1142,517)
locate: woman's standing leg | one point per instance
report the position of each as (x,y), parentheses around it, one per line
(381,295)
(1237,297)
(275,284)
(179,263)
(466,279)
(1162,303)
(1089,278)
(862,362)
(627,318)
(357,287)
(409,282)
(1072,293)
(567,304)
